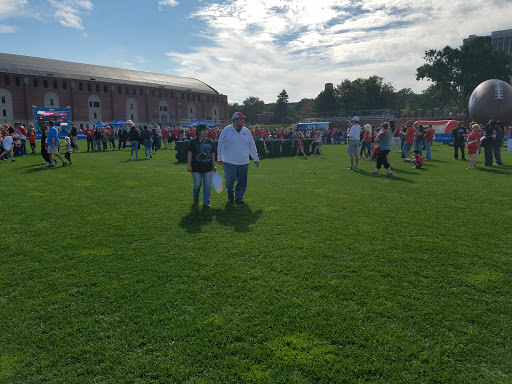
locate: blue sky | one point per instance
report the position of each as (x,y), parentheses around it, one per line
(248,48)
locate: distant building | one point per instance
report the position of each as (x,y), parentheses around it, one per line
(94,93)
(501,40)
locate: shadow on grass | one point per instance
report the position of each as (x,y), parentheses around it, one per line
(140,159)
(393,177)
(494,169)
(438,161)
(399,170)
(239,217)
(36,168)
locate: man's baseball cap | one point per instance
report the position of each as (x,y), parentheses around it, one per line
(355,118)
(409,122)
(238,115)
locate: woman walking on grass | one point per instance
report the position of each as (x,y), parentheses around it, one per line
(385,140)
(134,138)
(318,147)
(300,145)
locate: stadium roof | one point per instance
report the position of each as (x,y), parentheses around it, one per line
(37,66)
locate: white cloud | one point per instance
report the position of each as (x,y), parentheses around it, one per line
(8,29)
(171,3)
(10,8)
(259,47)
(70,12)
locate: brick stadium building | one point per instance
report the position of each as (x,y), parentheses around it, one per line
(97,93)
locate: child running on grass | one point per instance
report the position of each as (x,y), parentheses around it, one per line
(417,160)
(69,149)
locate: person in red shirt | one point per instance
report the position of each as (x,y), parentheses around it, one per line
(473,144)
(397,140)
(5,130)
(366,146)
(89,134)
(300,145)
(429,138)
(32,140)
(417,161)
(409,141)
(165,135)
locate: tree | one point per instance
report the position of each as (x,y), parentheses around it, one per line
(457,72)
(251,107)
(326,102)
(306,107)
(402,98)
(281,112)
(232,108)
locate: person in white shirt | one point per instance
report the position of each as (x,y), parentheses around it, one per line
(353,143)
(235,145)
(7,144)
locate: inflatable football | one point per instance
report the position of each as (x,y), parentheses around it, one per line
(491,100)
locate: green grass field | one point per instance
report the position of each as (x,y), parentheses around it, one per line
(109,274)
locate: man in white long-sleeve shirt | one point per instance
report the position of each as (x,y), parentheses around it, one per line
(235,145)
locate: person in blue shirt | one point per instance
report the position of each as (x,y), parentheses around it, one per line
(53,145)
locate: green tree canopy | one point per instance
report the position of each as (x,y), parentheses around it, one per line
(281,111)
(455,73)
(251,107)
(326,103)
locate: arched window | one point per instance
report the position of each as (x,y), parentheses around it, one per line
(191,111)
(132,112)
(215,114)
(6,111)
(94,109)
(163,111)
(51,100)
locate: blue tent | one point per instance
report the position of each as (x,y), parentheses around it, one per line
(119,122)
(99,124)
(199,121)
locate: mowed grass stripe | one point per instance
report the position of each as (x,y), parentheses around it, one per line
(109,274)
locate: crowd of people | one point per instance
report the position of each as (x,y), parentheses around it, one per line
(410,139)
(100,139)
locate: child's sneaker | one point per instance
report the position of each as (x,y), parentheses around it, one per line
(70,163)
(388,173)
